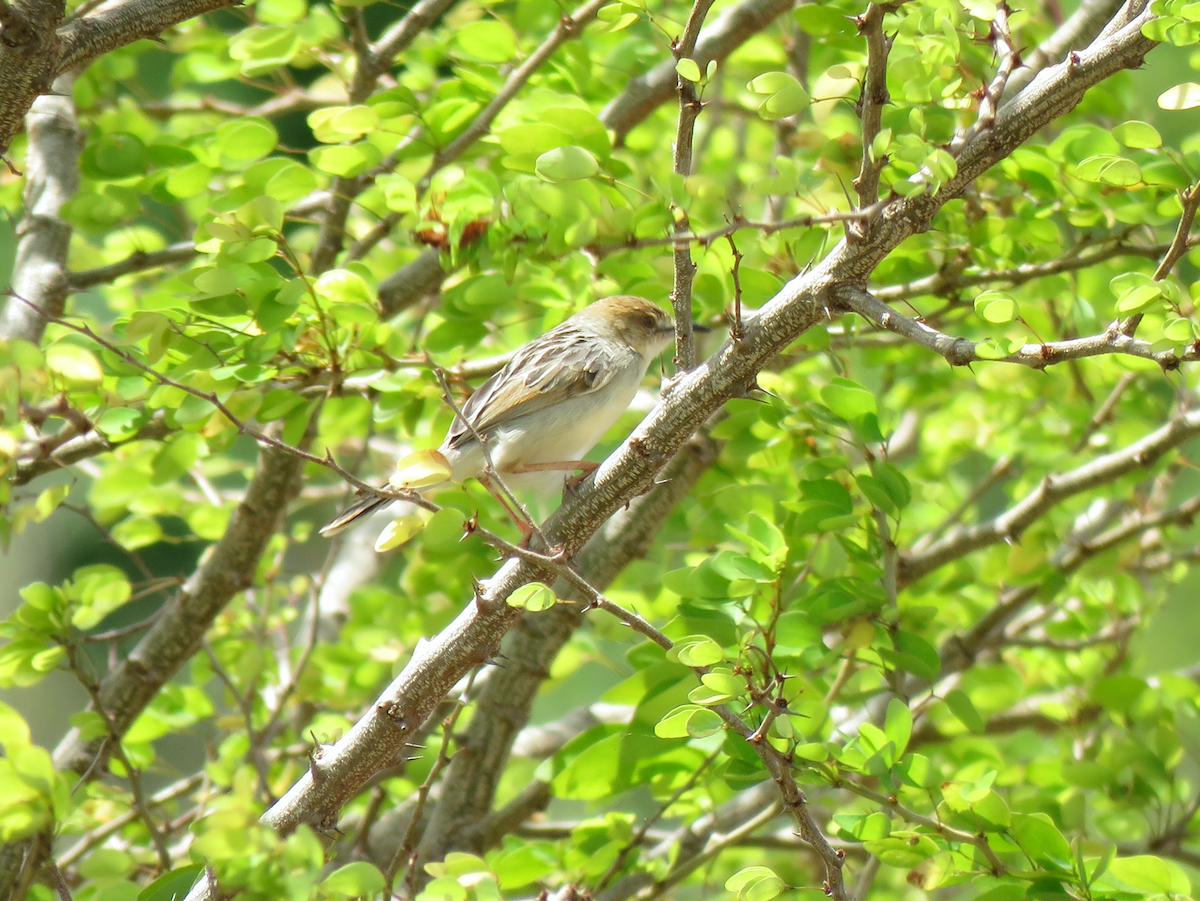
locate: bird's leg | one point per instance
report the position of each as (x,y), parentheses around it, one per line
(526,527)
(581,468)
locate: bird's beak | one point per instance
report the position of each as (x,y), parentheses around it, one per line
(669,328)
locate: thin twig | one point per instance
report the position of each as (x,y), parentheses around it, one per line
(1000,470)
(870,106)
(1009,58)
(1105,412)
(138,261)
(962,351)
(736,224)
(736,331)
(1180,244)
(685,269)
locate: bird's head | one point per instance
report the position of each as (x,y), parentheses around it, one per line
(635,321)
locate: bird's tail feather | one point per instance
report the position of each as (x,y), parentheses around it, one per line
(363,507)
(416,471)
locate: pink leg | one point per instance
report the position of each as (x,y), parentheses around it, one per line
(524,525)
(581,468)
(584,466)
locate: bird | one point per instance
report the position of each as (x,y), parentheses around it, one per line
(543,411)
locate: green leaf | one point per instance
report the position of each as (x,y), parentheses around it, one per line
(915,655)
(784,95)
(1138,135)
(346,159)
(1148,874)
(747,875)
(117,155)
(902,849)
(1040,839)
(688,69)
(173,885)
(569,163)
(1181,97)
(696,651)
(75,364)
(246,139)
(534,597)
(353,880)
(487,40)
(335,124)
(823,21)
(847,399)
(1179,331)
(344,286)
(898,725)
(263,49)
(960,705)
(996,307)
(689,721)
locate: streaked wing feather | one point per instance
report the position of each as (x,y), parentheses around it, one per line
(562,363)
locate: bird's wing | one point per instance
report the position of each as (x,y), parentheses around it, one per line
(563,363)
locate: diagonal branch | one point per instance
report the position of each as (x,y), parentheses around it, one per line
(568,28)
(953,278)
(83,447)
(393,42)
(1077,31)
(962,351)
(1052,491)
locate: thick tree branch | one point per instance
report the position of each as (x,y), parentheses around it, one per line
(82,447)
(410,283)
(29,46)
(1077,31)
(43,237)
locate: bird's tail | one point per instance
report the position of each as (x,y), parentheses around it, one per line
(364,506)
(417,471)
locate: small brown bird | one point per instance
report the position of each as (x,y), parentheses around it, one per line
(549,405)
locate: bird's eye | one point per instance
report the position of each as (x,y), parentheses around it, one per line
(648,322)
